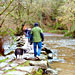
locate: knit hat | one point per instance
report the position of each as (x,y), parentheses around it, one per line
(36,24)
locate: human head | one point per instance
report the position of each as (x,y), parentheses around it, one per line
(36,24)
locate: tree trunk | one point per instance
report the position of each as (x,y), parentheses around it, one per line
(1,49)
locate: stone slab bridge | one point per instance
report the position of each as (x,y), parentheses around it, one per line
(26,64)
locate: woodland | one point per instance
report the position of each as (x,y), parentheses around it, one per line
(54,16)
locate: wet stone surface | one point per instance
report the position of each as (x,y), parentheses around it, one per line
(19,61)
(1,72)
(28,68)
(3,64)
(42,64)
(27,62)
(7,68)
(16,73)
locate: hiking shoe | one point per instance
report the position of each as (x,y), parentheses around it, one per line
(38,57)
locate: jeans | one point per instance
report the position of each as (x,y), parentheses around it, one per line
(37,52)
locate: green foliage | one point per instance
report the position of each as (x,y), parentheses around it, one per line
(70,34)
(4,32)
(40,70)
(56,25)
(73,27)
(12,32)
(6,7)
(19,30)
(58,31)
(32,11)
(67,14)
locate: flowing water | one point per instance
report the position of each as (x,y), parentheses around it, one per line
(65,50)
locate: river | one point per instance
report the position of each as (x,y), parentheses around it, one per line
(65,48)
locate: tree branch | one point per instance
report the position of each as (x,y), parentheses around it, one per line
(6,7)
(6,16)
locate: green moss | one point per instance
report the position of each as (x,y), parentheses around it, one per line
(22,65)
(3,60)
(39,72)
(25,64)
(9,62)
(10,70)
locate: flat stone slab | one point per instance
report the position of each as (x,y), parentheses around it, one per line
(7,68)
(2,57)
(43,57)
(1,72)
(13,64)
(19,61)
(31,56)
(15,73)
(3,64)
(11,56)
(55,72)
(32,52)
(42,64)
(28,68)
(9,60)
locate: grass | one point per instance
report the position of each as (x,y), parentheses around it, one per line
(58,31)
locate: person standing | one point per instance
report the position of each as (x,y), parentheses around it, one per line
(25,30)
(38,37)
